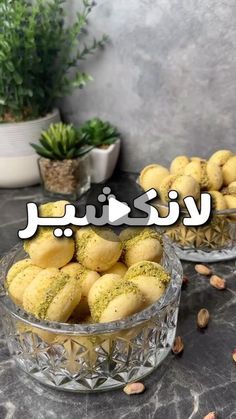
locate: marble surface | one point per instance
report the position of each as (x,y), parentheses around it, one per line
(166,78)
(203,379)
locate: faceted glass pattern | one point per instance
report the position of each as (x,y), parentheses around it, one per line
(93,357)
(212,242)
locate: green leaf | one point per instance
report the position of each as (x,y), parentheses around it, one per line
(81,79)
(2,55)
(41,151)
(18,79)
(10,67)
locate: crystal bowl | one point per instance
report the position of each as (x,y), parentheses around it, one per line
(92,357)
(213,242)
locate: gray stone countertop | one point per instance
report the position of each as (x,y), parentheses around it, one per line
(203,379)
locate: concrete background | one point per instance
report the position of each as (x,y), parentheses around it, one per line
(167,78)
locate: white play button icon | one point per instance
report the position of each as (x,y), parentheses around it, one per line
(117,210)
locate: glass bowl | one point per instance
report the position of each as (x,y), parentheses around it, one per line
(92,357)
(213,242)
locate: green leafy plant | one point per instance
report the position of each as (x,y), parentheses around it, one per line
(99,133)
(39,55)
(61,142)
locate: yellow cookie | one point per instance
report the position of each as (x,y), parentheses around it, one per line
(218,200)
(121,301)
(16,269)
(151,279)
(178,165)
(229,171)
(207,174)
(184,185)
(97,249)
(20,282)
(232,188)
(47,251)
(220,157)
(86,280)
(119,269)
(151,176)
(52,295)
(145,245)
(104,284)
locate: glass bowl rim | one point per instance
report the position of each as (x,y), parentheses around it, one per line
(20,314)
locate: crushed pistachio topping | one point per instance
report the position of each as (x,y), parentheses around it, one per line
(147,268)
(144,234)
(204,180)
(17,269)
(88,234)
(102,301)
(81,243)
(82,274)
(167,185)
(46,210)
(57,286)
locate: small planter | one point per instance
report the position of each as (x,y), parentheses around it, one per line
(65,178)
(103,162)
(18,161)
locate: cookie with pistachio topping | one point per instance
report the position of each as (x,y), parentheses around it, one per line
(183,184)
(152,175)
(16,269)
(97,249)
(218,201)
(45,249)
(151,279)
(220,157)
(229,171)
(145,244)
(52,295)
(119,302)
(178,165)
(86,280)
(104,284)
(207,174)
(20,275)
(48,251)
(232,188)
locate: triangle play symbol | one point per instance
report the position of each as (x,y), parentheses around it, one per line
(117,210)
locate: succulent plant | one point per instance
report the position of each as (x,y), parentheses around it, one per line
(60,142)
(97,132)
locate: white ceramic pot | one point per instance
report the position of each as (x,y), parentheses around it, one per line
(18,161)
(103,162)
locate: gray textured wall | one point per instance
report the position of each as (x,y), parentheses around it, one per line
(167,79)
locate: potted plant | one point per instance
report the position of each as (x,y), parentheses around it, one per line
(64,163)
(105,140)
(38,50)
